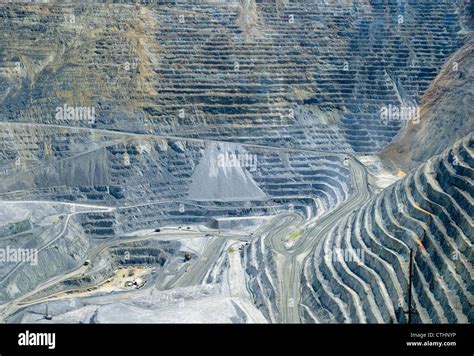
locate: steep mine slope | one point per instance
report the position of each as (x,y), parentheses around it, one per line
(164,91)
(447,113)
(307,74)
(158,180)
(110,184)
(358,273)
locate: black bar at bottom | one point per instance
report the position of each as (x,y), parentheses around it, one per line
(172,339)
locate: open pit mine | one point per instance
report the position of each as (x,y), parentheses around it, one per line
(239,161)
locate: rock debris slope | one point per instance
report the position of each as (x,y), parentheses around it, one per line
(234,71)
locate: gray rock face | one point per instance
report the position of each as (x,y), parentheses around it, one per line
(42,253)
(223,174)
(359,272)
(239,72)
(127,129)
(447,111)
